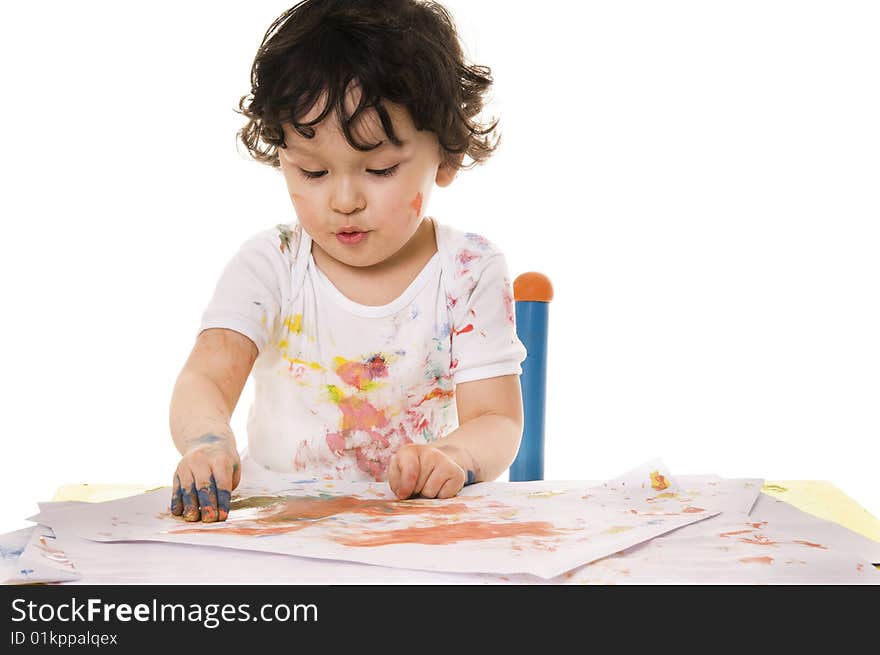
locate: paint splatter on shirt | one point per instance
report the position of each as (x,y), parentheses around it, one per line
(340,386)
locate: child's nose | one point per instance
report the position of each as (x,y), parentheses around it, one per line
(346,196)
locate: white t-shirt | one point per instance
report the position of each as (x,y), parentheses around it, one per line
(339,386)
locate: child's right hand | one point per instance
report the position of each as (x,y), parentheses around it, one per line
(204,480)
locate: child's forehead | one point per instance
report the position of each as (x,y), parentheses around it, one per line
(365,128)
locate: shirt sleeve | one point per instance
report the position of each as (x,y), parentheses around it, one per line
(249,294)
(483,330)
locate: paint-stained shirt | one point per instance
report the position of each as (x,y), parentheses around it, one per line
(340,386)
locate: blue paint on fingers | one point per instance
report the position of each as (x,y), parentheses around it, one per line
(191,503)
(176,498)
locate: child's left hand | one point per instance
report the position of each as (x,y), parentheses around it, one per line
(425,470)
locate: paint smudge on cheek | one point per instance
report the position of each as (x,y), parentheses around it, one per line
(451,533)
(416,204)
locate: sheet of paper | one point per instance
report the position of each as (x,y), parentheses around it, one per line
(726,549)
(730,549)
(544,530)
(31,555)
(145,562)
(812,528)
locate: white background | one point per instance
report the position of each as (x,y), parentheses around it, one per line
(698,179)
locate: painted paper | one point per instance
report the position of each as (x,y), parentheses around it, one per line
(541,529)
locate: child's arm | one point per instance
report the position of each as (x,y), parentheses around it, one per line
(202,403)
(480,449)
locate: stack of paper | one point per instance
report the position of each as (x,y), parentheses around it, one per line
(643,527)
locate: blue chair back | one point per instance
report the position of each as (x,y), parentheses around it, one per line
(532,295)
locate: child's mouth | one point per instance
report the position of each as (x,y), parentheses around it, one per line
(351,238)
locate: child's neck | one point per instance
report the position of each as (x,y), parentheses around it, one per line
(386,280)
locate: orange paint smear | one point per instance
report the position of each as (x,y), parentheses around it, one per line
(658,482)
(437,392)
(303,511)
(760,540)
(730,534)
(416,204)
(452,533)
(810,544)
(360,414)
(53,554)
(766,559)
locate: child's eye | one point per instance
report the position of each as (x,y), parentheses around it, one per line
(385,172)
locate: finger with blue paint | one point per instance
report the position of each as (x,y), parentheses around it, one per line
(176,497)
(207,490)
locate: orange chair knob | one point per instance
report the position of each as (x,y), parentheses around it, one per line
(532,286)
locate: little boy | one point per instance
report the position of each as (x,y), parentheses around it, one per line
(382,342)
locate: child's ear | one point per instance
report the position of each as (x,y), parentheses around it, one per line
(448,169)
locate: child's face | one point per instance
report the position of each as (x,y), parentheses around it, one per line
(383,192)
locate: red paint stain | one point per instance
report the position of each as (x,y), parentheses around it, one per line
(759,524)
(467,328)
(766,559)
(465,256)
(416,204)
(810,544)
(451,533)
(360,374)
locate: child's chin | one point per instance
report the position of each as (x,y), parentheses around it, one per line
(359,259)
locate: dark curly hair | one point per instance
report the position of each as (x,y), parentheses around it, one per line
(404,51)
